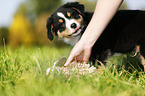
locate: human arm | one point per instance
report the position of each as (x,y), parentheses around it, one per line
(104,12)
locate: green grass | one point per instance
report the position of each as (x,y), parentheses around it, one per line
(23,73)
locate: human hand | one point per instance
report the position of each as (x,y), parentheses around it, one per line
(79,53)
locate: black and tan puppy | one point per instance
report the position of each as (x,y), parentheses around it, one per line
(124,33)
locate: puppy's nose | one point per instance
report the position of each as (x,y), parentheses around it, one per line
(73,25)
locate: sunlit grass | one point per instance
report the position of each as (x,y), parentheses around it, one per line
(23,73)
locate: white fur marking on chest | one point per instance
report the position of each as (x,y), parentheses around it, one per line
(72,41)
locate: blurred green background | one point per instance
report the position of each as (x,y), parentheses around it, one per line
(29,21)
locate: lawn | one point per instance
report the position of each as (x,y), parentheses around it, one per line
(23,73)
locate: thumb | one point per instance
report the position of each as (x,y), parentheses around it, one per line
(86,57)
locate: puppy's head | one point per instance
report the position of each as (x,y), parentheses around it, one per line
(66,21)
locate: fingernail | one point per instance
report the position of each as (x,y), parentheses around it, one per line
(65,65)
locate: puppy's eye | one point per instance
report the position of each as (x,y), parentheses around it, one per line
(72,15)
(78,17)
(61,25)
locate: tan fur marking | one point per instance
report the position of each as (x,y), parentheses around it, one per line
(51,26)
(64,34)
(68,14)
(60,20)
(141,57)
(76,9)
(142,61)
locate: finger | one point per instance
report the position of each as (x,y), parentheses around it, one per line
(74,62)
(74,53)
(79,62)
(86,57)
(69,60)
(85,62)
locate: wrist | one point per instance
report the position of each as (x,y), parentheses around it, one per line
(89,37)
(85,43)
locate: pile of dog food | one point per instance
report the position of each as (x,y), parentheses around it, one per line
(76,69)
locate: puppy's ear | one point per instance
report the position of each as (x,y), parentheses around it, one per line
(75,5)
(49,27)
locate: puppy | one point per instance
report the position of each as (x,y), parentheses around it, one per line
(124,33)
